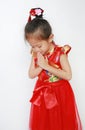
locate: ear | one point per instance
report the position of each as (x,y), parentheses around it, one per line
(50,39)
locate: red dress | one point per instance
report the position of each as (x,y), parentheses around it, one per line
(53,105)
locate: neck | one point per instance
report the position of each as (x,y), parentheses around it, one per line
(50,49)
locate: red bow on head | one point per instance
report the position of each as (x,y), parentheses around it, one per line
(35,12)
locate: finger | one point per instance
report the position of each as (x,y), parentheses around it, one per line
(38,54)
(46,59)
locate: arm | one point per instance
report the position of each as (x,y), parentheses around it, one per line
(33,70)
(66,72)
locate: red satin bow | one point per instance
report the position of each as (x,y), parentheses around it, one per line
(47,92)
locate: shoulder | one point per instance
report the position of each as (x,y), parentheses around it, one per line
(61,53)
(64,57)
(65,49)
(33,53)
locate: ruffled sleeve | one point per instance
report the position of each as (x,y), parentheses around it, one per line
(65,49)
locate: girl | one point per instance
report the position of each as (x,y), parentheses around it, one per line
(53,105)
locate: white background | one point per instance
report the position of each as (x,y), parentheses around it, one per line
(67,19)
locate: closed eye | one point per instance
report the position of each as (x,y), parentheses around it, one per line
(39,46)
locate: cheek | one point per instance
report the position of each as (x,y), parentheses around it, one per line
(46,48)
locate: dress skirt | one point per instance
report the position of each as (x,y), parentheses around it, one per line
(53,107)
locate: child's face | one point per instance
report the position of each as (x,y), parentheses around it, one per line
(39,45)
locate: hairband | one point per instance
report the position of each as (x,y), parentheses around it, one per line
(37,12)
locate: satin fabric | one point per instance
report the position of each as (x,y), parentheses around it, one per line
(53,104)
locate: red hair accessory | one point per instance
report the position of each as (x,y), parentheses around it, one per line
(35,12)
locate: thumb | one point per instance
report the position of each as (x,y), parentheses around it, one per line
(46,58)
(38,53)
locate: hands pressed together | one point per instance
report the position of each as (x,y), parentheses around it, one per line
(41,61)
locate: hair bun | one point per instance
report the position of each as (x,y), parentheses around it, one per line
(36,12)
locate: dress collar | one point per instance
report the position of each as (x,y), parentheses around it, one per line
(51,50)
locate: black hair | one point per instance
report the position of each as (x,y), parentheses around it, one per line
(36,24)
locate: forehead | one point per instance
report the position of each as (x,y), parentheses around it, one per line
(35,38)
(34,42)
